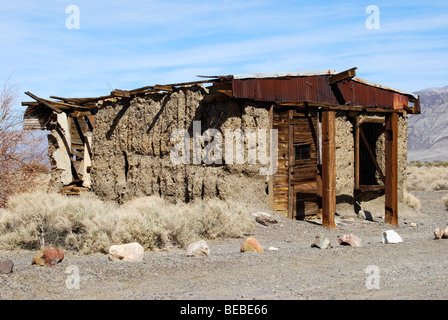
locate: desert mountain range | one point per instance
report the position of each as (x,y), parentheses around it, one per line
(428,131)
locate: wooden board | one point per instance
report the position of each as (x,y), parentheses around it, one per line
(303,146)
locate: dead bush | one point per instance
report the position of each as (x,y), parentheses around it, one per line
(427,178)
(21,153)
(87,224)
(412,201)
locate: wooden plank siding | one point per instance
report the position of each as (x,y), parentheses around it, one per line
(295,184)
(280,179)
(303,171)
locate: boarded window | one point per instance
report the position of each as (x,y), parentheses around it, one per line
(302,151)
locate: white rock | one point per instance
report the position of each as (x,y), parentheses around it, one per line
(261,214)
(438,233)
(126,252)
(365,215)
(390,236)
(351,240)
(321,242)
(273,249)
(199,248)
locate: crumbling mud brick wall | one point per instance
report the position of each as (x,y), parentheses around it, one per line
(132,145)
(58,151)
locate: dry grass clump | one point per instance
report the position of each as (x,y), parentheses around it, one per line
(427,178)
(445,201)
(412,201)
(87,224)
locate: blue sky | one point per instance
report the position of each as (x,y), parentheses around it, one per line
(126,45)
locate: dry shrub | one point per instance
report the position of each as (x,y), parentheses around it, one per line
(445,201)
(87,224)
(21,153)
(427,178)
(412,201)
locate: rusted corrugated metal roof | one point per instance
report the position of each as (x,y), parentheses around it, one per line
(314,86)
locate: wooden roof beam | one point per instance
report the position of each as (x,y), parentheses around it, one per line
(44,102)
(335,107)
(348,74)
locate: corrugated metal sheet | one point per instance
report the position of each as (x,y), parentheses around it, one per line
(360,94)
(317,88)
(314,88)
(373,84)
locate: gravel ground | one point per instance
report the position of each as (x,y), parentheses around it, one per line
(413,269)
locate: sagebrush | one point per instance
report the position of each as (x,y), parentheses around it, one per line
(427,178)
(87,224)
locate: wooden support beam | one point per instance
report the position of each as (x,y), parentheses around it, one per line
(328,169)
(84,140)
(291,213)
(121,93)
(391,205)
(356,153)
(335,107)
(160,87)
(342,76)
(44,102)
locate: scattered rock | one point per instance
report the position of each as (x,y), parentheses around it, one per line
(48,257)
(39,259)
(366,215)
(265,221)
(261,214)
(413,225)
(130,252)
(251,245)
(321,242)
(351,240)
(6,266)
(390,236)
(438,233)
(199,248)
(53,256)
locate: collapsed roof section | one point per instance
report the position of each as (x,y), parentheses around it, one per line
(329,89)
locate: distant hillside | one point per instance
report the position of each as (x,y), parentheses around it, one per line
(428,132)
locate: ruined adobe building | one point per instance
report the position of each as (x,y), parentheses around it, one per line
(341,140)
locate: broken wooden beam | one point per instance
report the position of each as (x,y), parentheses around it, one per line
(44,102)
(159,87)
(348,74)
(121,93)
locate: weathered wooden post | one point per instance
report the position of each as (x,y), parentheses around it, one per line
(391,214)
(328,169)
